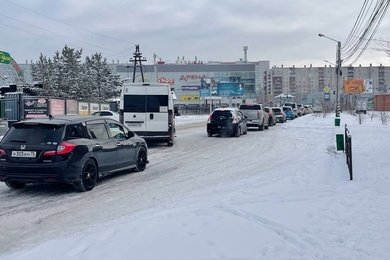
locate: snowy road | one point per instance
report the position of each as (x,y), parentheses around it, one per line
(282,193)
(196,163)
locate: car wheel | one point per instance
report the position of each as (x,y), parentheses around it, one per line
(209,134)
(141,160)
(238,132)
(15,184)
(170,142)
(88,176)
(261,127)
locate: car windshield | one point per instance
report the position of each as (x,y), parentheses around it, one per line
(34,134)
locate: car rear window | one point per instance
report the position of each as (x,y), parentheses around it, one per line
(34,134)
(249,107)
(226,114)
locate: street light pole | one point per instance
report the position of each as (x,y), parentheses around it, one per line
(338,71)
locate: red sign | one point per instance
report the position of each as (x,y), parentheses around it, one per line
(165,80)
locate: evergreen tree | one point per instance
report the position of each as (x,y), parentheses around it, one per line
(65,76)
(102,85)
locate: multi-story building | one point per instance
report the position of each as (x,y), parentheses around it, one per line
(307,84)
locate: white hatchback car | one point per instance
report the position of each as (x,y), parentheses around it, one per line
(109,114)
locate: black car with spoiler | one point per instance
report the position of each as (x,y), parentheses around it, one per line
(73,149)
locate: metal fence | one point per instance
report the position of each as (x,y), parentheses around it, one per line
(348,151)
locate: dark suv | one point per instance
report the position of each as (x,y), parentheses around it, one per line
(226,121)
(71,149)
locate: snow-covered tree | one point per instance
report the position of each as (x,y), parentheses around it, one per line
(65,76)
(101,84)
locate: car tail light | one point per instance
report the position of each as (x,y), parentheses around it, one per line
(2,152)
(62,149)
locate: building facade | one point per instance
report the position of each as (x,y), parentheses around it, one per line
(315,85)
(308,84)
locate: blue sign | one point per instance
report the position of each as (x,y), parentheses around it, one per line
(327,96)
(230,89)
(204,92)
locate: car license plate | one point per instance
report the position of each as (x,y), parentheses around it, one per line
(24,154)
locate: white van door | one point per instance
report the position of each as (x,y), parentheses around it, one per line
(134,108)
(157,100)
(145,109)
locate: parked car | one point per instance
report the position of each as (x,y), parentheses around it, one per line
(78,150)
(280,116)
(226,121)
(294,107)
(255,116)
(109,114)
(289,112)
(271,118)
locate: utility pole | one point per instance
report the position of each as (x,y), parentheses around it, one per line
(338,71)
(137,62)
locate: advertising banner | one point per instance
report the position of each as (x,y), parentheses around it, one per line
(57,107)
(71,107)
(189,98)
(36,107)
(353,86)
(83,108)
(104,107)
(93,107)
(368,86)
(230,89)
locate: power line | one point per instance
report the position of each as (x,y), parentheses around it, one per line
(66,23)
(62,35)
(369,30)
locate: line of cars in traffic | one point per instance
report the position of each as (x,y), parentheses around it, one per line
(235,121)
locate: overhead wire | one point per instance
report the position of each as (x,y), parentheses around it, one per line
(113,53)
(66,23)
(361,34)
(372,35)
(357,24)
(367,32)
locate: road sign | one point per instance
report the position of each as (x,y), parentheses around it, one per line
(326,96)
(5,57)
(326,89)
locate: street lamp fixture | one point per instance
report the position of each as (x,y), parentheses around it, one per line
(338,71)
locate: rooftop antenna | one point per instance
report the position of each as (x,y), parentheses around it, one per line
(137,62)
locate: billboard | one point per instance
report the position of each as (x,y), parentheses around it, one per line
(368,86)
(230,89)
(36,107)
(353,86)
(57,107)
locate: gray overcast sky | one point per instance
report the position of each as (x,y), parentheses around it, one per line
(281,31)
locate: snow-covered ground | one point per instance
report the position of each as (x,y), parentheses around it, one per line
(283,193)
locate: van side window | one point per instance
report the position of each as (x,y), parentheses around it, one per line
(98,131)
